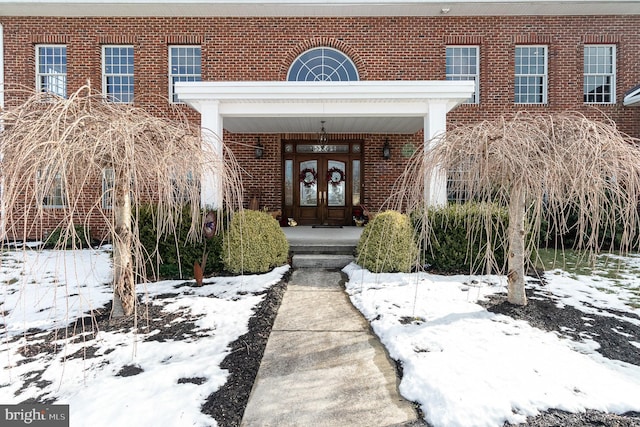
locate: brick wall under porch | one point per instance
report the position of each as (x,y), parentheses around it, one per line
(262,178)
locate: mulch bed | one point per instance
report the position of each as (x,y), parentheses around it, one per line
(227,405)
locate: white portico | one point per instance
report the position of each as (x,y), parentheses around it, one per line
(298,107)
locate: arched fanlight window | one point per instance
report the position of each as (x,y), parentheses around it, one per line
(322,64)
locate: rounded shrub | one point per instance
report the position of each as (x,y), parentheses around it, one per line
(387,244)
(254,243)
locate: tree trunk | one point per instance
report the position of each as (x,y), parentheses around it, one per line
(516,293)
(124,296)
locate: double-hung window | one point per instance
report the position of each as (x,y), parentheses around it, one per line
(50,190)
(117,73)
(600,74)
(462,63)
(51,69)
(184,66)
(531,75)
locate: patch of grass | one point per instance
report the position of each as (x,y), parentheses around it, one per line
(606,265)
(621,271)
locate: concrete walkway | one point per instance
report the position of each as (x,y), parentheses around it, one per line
(322,366)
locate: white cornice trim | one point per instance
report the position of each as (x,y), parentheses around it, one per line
(379,91)
(274,8)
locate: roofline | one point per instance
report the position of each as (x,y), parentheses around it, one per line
(632,98)
(275,8)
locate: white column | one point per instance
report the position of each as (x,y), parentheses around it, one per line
(211,196)
(435,124)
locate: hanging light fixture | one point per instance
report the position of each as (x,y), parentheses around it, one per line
(322,137)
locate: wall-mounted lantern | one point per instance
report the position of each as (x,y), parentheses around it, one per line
(259,149)
(386,149)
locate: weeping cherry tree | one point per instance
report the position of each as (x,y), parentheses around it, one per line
(542,168)
(50,142)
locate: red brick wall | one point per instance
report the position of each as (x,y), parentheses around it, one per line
(383,48)
(262,177)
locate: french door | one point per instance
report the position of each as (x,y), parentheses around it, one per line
(321,188)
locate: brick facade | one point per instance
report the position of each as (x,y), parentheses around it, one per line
(382,48)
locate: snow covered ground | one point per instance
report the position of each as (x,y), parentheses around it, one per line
(464,365)
(121,379)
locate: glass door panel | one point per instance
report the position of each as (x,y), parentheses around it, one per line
(309,183)
(355,180)
(288,183)
(336,182)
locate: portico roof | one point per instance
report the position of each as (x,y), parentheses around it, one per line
(632,98)
(346,107)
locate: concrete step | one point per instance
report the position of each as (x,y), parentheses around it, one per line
(320,261)
(322,249)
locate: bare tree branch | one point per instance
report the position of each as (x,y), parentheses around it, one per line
(50,140)
(557,163)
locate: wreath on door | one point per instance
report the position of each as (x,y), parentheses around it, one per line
(335,176)
(308,177)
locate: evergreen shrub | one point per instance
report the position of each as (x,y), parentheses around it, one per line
(387,244)
(610,238)
(254,243)
(61,239)
(176,254)
(456,240)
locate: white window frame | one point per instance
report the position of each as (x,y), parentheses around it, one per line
(107,75)
(459,173)
(176,76)
(57,77)
(600,73)
(54,198)
(475,77)
(535,75)
(323,63)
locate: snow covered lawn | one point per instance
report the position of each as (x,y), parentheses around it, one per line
(117,377)
(467,366)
